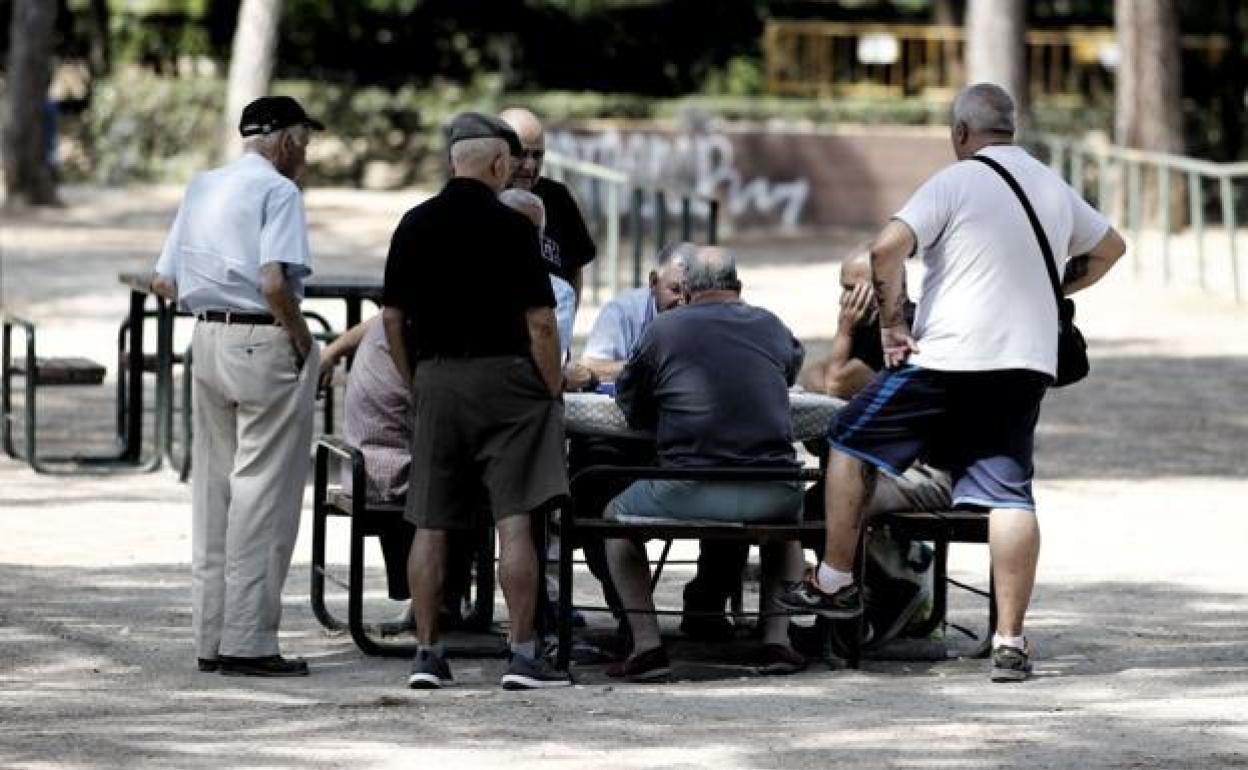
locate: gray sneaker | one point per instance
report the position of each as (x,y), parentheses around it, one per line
(429,672)
(1010,664)
(533,674)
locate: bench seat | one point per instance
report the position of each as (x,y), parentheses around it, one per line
(62,371)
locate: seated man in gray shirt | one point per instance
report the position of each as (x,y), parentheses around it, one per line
(614,336)
(674,383)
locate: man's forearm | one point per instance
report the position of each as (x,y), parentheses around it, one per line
(544,346)
(283,306)
(394,320)
(1083,271)
(604,370)
(888,277)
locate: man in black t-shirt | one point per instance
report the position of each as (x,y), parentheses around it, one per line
(566,244)
(486,387)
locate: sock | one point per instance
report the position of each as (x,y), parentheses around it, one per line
(437,648)
(830,580)
(1017,642)
(527,649)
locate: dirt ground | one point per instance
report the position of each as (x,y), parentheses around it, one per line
(1140,616)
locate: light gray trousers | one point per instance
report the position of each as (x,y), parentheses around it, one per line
(253,410)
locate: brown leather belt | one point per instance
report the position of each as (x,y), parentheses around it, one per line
(231,317)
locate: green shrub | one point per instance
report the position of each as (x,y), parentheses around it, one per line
(140,127)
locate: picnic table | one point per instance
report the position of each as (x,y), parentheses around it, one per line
(352,289)
(597,414)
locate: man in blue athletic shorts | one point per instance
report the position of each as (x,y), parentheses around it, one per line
(963,387)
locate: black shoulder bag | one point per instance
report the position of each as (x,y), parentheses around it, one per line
(1072,349)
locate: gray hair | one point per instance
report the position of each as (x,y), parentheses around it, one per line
(985,108)
(679,254)
(712,268)
(475,155)
(526,203)
(267,144)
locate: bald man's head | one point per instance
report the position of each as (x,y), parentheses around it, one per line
(532,139)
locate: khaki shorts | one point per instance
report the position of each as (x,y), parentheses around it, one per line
(483,423)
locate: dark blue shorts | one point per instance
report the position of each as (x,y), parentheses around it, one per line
(980,426)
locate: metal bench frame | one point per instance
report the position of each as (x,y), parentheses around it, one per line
(942,528)
(366,520)
(30,374)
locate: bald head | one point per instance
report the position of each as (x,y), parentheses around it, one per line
(856,270)
(712,269)
(982,114)
(532,140)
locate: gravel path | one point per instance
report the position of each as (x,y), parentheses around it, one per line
(1141,615)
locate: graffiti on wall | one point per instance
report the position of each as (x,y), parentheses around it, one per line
(702,162)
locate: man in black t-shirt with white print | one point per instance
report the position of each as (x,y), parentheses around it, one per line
(566,244)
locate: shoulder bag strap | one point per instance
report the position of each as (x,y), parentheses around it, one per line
(1050,265)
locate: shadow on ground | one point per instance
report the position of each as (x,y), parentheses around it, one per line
(107,651)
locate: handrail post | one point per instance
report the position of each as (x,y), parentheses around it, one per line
(637,235)
(660,216)
(613,239)
(1228,222)
(1163,201)
(1196,203)
(1076,169)
(712,222)
(1133,214)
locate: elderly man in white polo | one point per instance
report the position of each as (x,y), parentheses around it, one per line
(236,258)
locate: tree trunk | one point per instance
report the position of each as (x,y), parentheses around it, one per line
(1233,75)
(1148,109)
(100,56)
(27,173)
(251,65)
(996,48)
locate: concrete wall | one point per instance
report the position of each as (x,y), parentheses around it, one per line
(777,180)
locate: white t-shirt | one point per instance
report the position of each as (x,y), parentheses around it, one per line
(234,219)
(986,302)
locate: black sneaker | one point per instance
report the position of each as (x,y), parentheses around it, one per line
(429,672)
(649,666)
(268,665)
(533,674)
(1010,664)
(805,596)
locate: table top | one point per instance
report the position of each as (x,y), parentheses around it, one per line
(597,414)
(345,286)
(339,286)
(137,281)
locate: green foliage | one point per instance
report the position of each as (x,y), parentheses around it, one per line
(141,127)
(741,76)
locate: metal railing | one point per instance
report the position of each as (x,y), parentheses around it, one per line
(819,58)
(617,207)
(1145,191)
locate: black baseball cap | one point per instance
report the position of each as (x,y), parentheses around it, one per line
(273,113)
(474,125)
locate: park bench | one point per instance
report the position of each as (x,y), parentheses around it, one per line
(370,520)
(939,527)
(36,372)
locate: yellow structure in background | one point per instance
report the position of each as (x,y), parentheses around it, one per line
(815,58)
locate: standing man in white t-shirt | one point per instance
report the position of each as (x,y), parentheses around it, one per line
(963,387)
